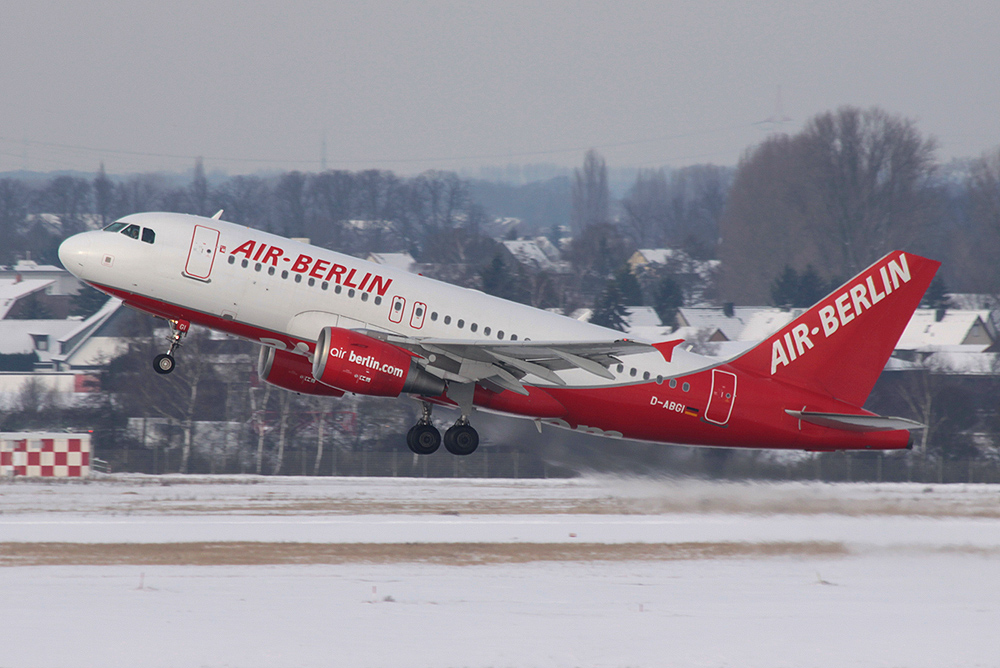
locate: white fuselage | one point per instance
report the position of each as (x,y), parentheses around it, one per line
(282,292)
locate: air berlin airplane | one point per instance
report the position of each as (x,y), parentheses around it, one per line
(329,323)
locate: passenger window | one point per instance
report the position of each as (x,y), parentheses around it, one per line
(513,337)
(232,259)
(114,227)
(270,271)
(447,320)
(131,231)
(148,235)
(461,324)
(473,327)
(486,331)
(500,334)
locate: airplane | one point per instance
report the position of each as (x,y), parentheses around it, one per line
(329,323)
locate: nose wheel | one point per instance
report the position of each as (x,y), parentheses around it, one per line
(164,363)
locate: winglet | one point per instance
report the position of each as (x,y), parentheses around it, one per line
(666,348)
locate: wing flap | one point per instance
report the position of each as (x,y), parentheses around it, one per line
(506,363)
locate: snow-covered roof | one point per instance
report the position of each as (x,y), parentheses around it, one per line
(12,289)
(963,362)
(530,253)
(926,333)
(713,318)
(21,336)
(656,255)
(677,258)
(766,321)
(402,261)
(641,316)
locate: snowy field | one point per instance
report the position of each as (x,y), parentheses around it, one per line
(246,571)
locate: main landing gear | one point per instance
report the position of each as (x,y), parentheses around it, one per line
(164,364)
(424,438)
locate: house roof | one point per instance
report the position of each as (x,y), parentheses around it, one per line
(13,289)
(642,316)
(18,336)
(766,321)
(713,318)
(403,261)
(926,333)
(529,252)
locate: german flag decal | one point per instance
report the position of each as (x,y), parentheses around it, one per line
(693,412)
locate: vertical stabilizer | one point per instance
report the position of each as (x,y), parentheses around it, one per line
(840,346)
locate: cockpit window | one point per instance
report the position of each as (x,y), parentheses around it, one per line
(148,235)
(114,227)
(131,231)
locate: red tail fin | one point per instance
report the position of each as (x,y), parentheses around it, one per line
(840,346)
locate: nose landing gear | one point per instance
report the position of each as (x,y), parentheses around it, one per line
(164,363)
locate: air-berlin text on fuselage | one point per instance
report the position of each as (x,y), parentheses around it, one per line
(315,267)
(867,291)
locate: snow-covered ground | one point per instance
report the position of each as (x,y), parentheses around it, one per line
(862,575)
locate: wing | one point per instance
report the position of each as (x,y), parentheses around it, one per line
(501,365)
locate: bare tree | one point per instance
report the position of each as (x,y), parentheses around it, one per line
(104,191)
(840,194)
(259,399)
(590,193)
(647,208)
(868,171)
(246,201)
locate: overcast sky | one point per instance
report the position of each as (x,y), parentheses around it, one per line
(447,85)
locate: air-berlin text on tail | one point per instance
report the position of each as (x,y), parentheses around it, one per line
(867,291)
(324,270)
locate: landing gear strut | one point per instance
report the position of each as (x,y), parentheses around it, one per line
(423,438)
(164,364)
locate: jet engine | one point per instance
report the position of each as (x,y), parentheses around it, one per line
(291,372)
(358,363)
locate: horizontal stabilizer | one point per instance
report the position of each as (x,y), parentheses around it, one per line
(849,422)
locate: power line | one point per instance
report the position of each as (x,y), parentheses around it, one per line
(453,158)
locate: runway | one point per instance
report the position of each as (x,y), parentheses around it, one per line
(593,572)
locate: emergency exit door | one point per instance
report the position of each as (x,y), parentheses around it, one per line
(720,401)
(201,255)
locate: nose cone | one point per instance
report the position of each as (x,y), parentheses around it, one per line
(73,253)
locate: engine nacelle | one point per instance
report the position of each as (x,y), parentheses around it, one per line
(291,372)
(357,363)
